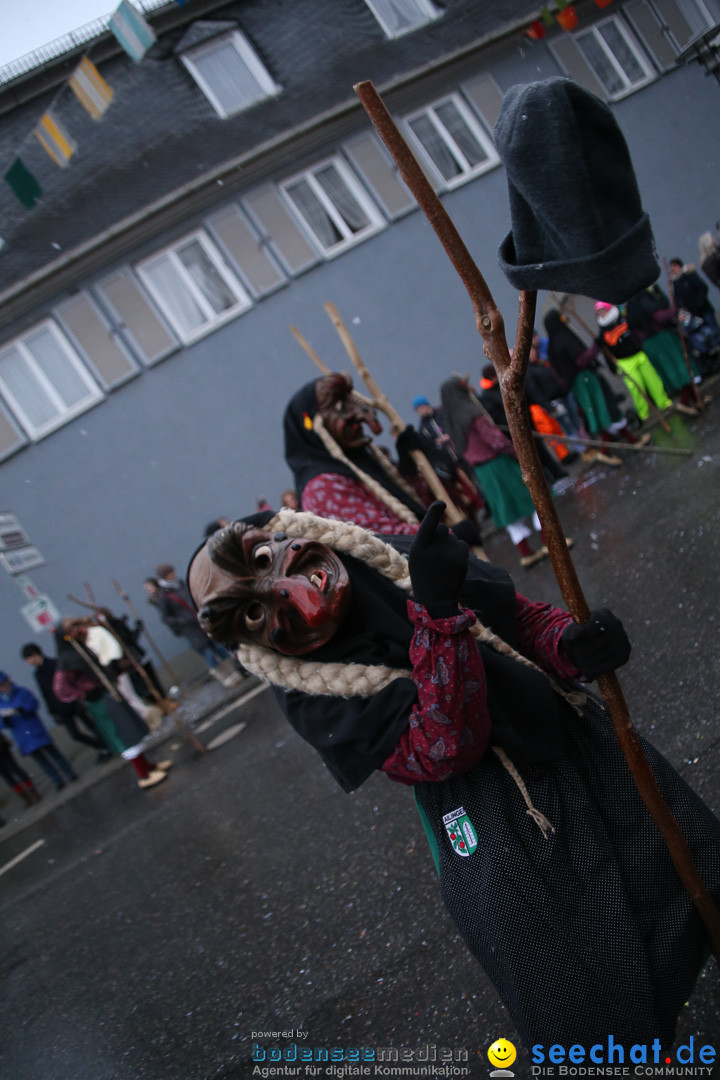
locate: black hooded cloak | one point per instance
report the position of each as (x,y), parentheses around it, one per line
(586,932)
(308,457)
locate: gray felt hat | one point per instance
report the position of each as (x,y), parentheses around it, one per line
(578,225)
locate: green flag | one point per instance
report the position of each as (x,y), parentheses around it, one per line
(23,183)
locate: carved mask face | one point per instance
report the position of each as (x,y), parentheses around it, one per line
(342,413)
(268,589)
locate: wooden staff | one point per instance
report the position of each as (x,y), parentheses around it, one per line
(180,724)
(633,447)
(96,670)
(310,351)
(683,343)
(380,402)
(104,615)
(511,377)
(325,369)
(151,641)
(608,353)
(397,424)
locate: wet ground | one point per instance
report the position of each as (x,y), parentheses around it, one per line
(158,934)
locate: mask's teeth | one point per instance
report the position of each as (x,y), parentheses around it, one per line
(316,580)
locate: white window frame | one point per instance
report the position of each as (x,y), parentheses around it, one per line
(117,321)
(469,172)
(633,45)
(424,7)
(233,283)
(247,55)
(64,414)
(350,238)
(22,439)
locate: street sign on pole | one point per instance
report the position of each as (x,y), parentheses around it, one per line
(41,613)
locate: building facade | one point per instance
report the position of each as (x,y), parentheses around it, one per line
(229,186)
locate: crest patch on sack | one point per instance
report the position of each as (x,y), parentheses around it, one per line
(460,830)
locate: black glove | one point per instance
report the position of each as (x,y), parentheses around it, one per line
(437,564)
(600,646)
(467,530)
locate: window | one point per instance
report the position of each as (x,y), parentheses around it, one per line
(332,205)
(614,57)
(666,26)
(229,73)
(249,254)
(401,16)
(696,16)
(193,287)
(95,340)
(43,381)
(279,228)
(452,139)
(149,336)
(11,438)
(380,173)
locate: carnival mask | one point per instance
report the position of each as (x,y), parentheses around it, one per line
(343,413)
(254,587)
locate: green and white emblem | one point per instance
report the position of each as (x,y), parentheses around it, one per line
(460,830)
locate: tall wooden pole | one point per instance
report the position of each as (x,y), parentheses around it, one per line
(511,378)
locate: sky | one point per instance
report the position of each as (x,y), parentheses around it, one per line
(27,24)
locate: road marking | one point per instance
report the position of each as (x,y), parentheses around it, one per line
(254,693)
(23,855)
(229,708)
(226,735)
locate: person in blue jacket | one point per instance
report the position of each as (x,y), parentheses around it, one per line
(18,713)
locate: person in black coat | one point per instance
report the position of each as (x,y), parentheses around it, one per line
(405,655)
(68,714)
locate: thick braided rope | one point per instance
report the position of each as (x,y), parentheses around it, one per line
(311,677)
(398,508)
(347,680)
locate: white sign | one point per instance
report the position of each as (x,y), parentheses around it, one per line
(12,534)
(15,562)
(41,613)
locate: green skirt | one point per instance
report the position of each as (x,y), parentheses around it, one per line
(666,356)
(504,490)
(120,726)
(589,395)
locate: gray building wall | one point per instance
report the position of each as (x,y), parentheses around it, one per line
(134,480)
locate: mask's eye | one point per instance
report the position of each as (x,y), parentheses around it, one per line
(263,557)
(254,616)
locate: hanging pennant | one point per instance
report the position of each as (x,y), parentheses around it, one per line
(55,140)
(132,31)
(90,89)
(547,16)
(603,3)
(23,183)
(567,17)
(536,30)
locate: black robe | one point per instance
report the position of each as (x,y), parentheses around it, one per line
(585,933)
